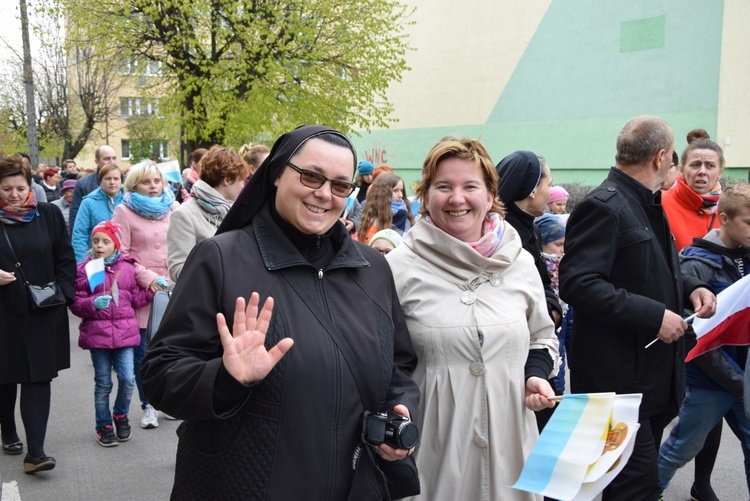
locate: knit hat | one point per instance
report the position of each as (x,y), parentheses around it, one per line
(111,229)
(68,184)
(558,193)
(365,167)
(551,227)
(388,235)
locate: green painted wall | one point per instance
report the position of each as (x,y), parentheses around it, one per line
(590,66)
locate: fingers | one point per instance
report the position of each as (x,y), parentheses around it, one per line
(280,349)
(401,409)
(390,454)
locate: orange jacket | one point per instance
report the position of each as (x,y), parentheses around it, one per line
(687,217)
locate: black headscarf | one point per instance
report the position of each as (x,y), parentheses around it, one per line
(519,173)
(260,190)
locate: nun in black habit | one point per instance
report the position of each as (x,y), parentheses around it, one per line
(271,408)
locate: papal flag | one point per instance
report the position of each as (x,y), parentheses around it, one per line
(95,272)
(171,171)
(729,325)
(583,447)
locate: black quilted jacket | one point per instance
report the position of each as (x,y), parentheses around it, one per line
(292,435)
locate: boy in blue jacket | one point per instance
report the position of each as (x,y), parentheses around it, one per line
(714,379)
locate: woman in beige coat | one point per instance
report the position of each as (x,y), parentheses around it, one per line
(476,312)
(221,180)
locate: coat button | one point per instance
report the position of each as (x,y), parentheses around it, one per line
(480,441)
(495,280)
(700,212)
(611,188)
(156,233)
(476,369)
(158,246)
(468,297)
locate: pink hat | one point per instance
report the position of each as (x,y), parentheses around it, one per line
(558,193)
(68,184)
(111,229)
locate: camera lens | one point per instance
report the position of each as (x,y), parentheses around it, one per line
(408,435)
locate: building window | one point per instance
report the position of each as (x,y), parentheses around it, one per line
(125,148)
(132,106)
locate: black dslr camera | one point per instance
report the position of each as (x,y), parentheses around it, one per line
(389,428)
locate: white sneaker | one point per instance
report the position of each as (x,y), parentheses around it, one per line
(150,418)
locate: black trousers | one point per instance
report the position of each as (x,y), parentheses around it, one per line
(639,480)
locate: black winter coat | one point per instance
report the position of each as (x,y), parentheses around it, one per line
(531,240)
(620,272)
(35,344)
(293,434)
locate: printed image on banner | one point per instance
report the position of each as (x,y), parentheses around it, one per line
(584,445)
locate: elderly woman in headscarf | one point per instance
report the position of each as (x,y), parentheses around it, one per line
(272,407)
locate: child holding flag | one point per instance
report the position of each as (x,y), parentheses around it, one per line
(107,294)
(715,378)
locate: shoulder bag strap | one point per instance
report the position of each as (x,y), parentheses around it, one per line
(351,360)
(346,351)
(13,253)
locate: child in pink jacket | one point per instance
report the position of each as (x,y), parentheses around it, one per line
(110,328)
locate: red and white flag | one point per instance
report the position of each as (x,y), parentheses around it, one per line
(729,325)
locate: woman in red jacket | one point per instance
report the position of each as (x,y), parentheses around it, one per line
(691,204)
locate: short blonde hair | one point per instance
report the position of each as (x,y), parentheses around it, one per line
(733,199)
(138,172)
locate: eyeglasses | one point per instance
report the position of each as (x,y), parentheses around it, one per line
(313,179)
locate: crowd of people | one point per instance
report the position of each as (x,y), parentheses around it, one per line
(315,308)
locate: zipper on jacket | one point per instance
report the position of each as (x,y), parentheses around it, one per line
(320,274)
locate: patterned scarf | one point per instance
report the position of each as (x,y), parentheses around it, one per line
(15,214)
(154,209)
(711,199)
(492,233)
(211,200)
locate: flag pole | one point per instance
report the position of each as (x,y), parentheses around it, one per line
(688,320)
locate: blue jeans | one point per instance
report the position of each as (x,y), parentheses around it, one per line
(122,360)
(701,410)
(138,353)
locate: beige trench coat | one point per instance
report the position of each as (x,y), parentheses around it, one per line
(472,322)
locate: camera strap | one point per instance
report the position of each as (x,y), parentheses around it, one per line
(352,361)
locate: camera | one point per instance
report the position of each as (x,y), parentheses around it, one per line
(389,428)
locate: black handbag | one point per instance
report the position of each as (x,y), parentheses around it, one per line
(156,312)
(41,296)
(401,477)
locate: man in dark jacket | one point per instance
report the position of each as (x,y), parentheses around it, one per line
(622,277)
(102,156)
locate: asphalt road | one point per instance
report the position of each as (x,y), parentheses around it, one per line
(143,468)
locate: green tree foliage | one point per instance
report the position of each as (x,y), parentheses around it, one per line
(240,70)
(75,90)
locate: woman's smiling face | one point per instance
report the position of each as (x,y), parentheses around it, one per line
(458,199)
(314,211)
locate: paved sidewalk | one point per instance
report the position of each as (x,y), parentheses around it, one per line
(143,468)
(139,469)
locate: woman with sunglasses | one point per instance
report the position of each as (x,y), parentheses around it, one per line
(272,408)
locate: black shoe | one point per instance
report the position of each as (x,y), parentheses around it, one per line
(703,495)
(13,449)
(33,465)
(123,427)
(106,436)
